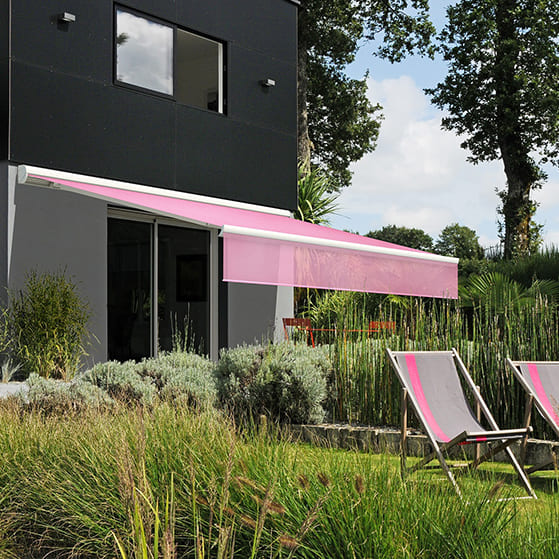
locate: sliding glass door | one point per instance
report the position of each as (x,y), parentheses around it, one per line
(158,288)
(183,286)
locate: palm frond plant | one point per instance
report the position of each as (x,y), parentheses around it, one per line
(316,201)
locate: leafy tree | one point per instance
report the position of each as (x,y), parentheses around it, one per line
(336,120)
(502,94)
(405,236)
(459,241)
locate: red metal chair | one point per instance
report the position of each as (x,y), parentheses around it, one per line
(379,325)
(299,323)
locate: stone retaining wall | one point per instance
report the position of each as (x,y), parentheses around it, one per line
(376,439)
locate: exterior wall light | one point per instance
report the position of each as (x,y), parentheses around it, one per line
(66,17)
(268,82)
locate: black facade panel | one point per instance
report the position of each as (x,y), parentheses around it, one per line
(248,163)
(67,113)
(269,26)
(4,107)
(4,73)
(81,48)
(70,124)
(163,9)
(250,101)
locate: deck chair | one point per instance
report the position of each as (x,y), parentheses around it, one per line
(431,382)
(540,380)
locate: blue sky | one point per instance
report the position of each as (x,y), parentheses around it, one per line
(418,176)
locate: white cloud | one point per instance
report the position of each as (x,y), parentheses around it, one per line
(419,176)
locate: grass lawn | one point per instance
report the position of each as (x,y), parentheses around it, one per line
(171,483)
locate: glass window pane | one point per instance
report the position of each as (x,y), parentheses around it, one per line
(199,71)
(129,289)
(144,52)
(183,284)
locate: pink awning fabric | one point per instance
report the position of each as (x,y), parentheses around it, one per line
(265,248)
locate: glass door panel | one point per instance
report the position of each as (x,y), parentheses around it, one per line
(183,287)
(129,289)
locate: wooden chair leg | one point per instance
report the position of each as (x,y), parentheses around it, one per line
(527,419)
(477,450)
(403,432)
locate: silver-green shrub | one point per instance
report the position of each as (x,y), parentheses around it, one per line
(181,377)
(286,381)
(55,396)
(121,381)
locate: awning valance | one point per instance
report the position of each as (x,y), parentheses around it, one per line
(266,246)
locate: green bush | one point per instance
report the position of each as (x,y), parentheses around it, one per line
(182,377)
(122,382)
(54,396)
(47,322)
(285,381)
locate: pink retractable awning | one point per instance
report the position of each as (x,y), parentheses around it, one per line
(271,249)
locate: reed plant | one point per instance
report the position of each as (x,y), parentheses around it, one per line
(171,484)
(366,390)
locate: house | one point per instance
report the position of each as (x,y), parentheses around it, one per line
(148,148)
(186,96)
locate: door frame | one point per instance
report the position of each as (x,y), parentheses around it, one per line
(213,272)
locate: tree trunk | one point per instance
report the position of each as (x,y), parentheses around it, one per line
(517,209)
(303,141)
(521,173)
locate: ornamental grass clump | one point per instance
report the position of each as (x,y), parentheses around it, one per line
(285,381)
(47,325)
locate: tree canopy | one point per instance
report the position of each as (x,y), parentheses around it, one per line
(405,236)
(337,122)
(459,241)
(502,94)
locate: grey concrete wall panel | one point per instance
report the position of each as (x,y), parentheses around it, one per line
(284,309)
(251,313)
(68,114)
(55,231)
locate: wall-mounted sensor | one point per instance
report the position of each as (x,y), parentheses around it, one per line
(66,17)
(268,82)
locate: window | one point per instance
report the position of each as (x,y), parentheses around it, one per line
(144,53)
(159,57)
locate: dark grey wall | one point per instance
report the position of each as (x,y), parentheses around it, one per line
(3,230)
(4,72)
(54,231)
(67,114)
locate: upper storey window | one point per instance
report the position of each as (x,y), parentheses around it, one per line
(159,57)
(144,52)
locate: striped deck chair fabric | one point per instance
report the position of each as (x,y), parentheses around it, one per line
(432,383)
(540,380)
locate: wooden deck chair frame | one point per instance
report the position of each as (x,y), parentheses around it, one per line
(545,409)
(502,438)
